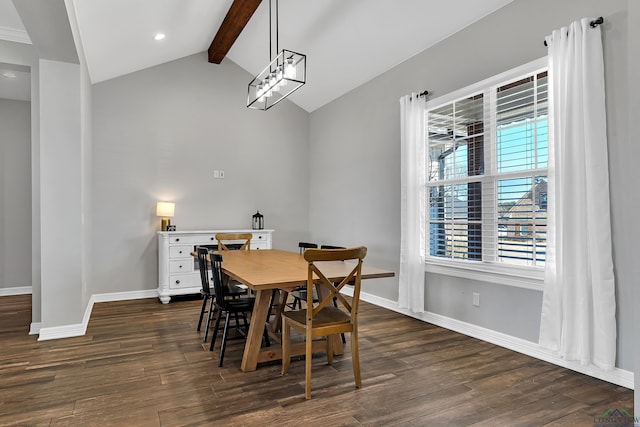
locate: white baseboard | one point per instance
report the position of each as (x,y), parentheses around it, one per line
(21,290)
(617,376)
(67,331)
(34,329)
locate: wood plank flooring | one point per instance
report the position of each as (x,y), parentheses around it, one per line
(142,363)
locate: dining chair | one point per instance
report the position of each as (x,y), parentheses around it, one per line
(229,241)
(331,247)
(239,307)
(207,293)
(335,301)
(323,319)
(300,293)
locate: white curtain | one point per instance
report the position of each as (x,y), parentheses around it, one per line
(578,308)
(412,240)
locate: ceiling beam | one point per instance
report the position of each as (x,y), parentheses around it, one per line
(237,17)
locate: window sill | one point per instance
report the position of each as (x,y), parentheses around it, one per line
(527,278)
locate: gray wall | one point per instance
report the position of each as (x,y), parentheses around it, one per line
(61,193)
(634,153)
(355,172)
(158,134)
(22,54)
(15,193)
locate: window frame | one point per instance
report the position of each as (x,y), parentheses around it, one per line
(529,277)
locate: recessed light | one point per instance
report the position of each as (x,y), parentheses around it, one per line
(8,75)
(159,36)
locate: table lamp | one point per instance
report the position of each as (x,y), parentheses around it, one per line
(166,211)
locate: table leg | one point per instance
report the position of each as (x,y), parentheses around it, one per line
(256,330)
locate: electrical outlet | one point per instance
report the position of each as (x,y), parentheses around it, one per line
(221,174)
(476,299)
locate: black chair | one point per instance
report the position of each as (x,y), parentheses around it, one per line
(206,291)
(331,247)
(239,307)
(300,293)
(305,245)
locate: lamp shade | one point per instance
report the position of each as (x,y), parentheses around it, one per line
(165,209)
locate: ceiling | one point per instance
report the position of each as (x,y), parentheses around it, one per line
(347,42)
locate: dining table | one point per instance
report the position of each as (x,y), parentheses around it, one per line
(273,273)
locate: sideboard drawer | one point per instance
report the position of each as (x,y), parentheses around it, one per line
(184,281)
(260,237)
(181,266)
(259,245)
(193,240)
(180,251)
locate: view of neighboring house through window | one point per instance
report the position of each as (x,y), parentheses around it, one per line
(487,173)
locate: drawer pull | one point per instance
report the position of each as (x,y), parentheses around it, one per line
(259,237)
(180,252)
(177,239)
(179,266)
(177,282)
(213,238)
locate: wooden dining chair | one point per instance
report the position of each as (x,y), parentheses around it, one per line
(323,319)
(234,242)
(229,241)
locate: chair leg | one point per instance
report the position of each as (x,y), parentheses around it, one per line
(286,346)
(204,304)
(246,324)
(215,330)
(355,357)
(223,345)
(335,304)
(274,294)
(267,341)
(235,316)
(308,355)
(330,349)
(209,314)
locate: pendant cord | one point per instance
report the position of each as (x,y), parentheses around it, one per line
(277,32)
(269,30)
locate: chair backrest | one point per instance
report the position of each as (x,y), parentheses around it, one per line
(218,284)
(227,237)
(315,257)
(302,246)
(202,264)
(332,247)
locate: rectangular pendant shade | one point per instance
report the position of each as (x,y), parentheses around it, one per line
(286,73)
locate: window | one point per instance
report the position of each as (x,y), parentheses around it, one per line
(487,152)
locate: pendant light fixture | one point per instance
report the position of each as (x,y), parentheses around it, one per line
(285,74)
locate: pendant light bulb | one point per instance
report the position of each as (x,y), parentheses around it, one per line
(267,89)
(290,68)
(273,82)
(279,74)
(260,92)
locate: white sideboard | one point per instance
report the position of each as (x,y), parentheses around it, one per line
(178,272)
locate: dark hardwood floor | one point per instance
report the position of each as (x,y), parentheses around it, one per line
(142,363)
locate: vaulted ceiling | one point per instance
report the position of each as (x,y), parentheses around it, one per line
(347,42)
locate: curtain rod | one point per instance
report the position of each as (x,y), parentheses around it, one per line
(593,24)
(423,93)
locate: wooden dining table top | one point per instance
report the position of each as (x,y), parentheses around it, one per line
(276,269)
